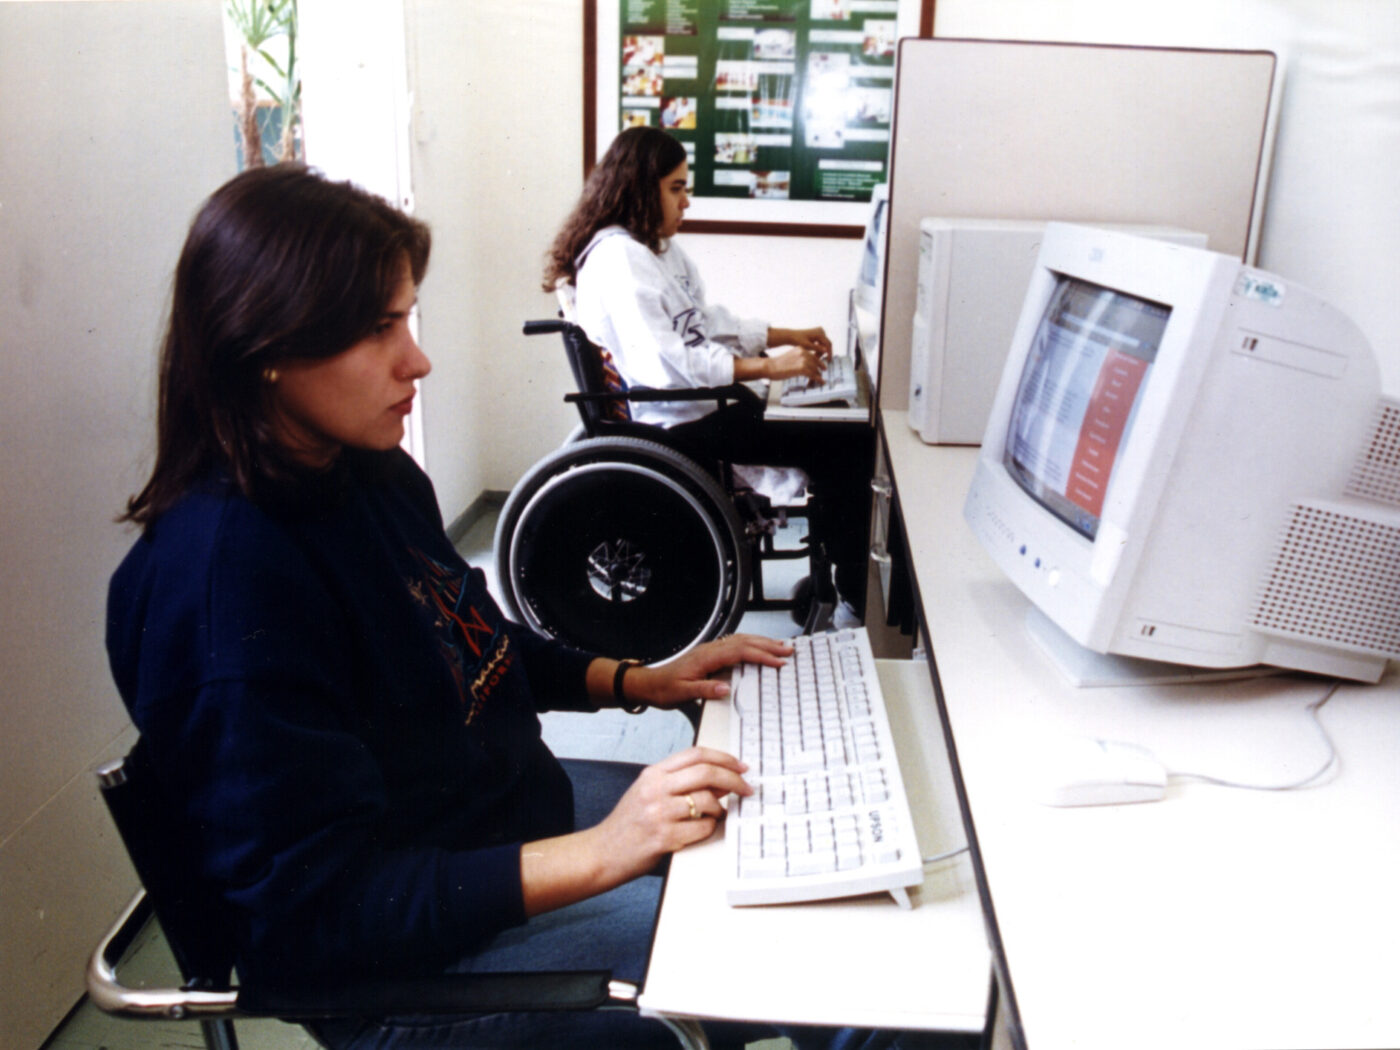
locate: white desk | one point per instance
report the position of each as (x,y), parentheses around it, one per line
(862,961)
(1213,918)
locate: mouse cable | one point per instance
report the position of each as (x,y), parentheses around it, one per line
(1333,759)
(949,855)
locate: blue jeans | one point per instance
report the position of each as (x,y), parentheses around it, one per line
(611,931)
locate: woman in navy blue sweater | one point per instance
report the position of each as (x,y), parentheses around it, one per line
(338,710)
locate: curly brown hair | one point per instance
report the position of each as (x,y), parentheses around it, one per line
(623,190)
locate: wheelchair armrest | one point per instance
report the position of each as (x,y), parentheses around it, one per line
(446,994)
(733,392)
(544,327)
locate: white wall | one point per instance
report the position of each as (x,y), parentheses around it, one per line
(114,125)
(497,143)
(1331,220)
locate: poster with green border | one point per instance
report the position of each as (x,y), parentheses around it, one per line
(775,100)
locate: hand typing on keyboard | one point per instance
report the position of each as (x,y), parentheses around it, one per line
(807,360)
(793,366)
(671,804)
(689,676)
(811,339)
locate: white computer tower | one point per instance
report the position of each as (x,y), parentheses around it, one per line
(973,275)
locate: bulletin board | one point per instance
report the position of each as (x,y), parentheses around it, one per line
(785,107)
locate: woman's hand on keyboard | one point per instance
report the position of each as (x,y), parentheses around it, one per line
(687,677)
(789,363)
(814,339)
(670,805)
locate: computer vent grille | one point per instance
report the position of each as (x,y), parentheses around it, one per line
(1376,475)
(1336,578)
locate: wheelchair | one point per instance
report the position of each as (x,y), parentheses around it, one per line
(619,543)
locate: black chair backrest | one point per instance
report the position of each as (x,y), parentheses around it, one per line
(191,915)
(594,374)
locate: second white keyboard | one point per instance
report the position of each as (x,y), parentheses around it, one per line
(838,384)
(829,816)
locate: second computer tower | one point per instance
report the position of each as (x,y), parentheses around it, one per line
(973,275)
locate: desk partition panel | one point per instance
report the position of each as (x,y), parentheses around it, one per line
(1077,132)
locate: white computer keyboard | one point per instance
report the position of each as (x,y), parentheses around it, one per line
(838,384)
(829,816)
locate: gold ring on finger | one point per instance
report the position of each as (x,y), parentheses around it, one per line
(694,810)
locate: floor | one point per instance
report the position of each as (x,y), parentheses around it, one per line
(608,734)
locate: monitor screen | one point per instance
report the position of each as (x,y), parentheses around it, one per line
(866,297)
(872,259)
(1090,361)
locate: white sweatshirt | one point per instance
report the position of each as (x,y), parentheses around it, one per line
(649,311)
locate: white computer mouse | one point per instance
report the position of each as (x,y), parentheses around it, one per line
(1085,771)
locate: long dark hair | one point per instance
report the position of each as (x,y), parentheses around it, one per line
(279,263)
(623,190)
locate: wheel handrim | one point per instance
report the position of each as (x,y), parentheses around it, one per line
(616,575)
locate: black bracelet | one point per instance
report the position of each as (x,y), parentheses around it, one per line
(622,668)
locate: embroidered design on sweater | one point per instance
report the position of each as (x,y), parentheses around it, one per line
(477,652)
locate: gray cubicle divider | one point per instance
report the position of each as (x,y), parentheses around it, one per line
(1077,132)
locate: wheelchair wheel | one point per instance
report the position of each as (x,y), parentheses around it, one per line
(624,547)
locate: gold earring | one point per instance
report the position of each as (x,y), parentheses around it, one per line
(270,375)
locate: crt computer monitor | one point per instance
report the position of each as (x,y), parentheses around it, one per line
(868,295)
(1189,461)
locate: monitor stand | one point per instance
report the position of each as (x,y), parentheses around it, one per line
(1085,668)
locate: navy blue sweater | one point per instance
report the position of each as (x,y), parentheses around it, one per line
(346,719)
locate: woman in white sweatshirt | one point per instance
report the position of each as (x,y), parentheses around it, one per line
(639,297)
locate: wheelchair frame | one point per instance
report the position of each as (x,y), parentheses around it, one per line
(604,493)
